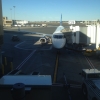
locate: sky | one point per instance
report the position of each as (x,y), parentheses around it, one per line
(51,10)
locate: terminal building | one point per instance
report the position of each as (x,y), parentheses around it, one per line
(22,22)
(7,22)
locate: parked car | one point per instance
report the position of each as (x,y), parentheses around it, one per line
(15,25)
(32,25)
(38,25)
(15,38)
(23,25)
(18,25)
(27,25)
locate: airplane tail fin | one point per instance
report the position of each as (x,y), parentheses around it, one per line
(61,20)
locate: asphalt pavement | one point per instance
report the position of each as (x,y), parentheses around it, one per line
(30,56)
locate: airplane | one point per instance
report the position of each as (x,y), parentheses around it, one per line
(58,38)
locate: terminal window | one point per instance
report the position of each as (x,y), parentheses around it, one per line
(8,21)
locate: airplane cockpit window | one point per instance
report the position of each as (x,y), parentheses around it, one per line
(55,36)
(58,36)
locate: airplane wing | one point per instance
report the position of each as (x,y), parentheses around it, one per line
(38,33)
(43,39)
(48,35)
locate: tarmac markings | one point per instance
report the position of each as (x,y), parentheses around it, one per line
(25,60)
(89,62)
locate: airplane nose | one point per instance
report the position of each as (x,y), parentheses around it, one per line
(58,44)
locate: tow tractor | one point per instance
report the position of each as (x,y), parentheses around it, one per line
(91,84)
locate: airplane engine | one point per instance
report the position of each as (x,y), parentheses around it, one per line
(42,40)
(45,40)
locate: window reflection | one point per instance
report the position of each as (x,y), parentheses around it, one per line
(94,76)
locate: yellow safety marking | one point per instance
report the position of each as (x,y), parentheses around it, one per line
(5,61)
(2,69)
(55,73)
(11,66)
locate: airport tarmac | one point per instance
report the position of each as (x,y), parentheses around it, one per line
(41,57)
(30,56)
(49,29)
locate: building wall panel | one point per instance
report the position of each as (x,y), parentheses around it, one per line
(1,24)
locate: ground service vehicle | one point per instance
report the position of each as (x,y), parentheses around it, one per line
(91,84)
(44,25)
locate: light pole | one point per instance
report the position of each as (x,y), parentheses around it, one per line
(14,14)
(11,13)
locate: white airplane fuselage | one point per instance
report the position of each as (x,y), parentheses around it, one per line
(58,38)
